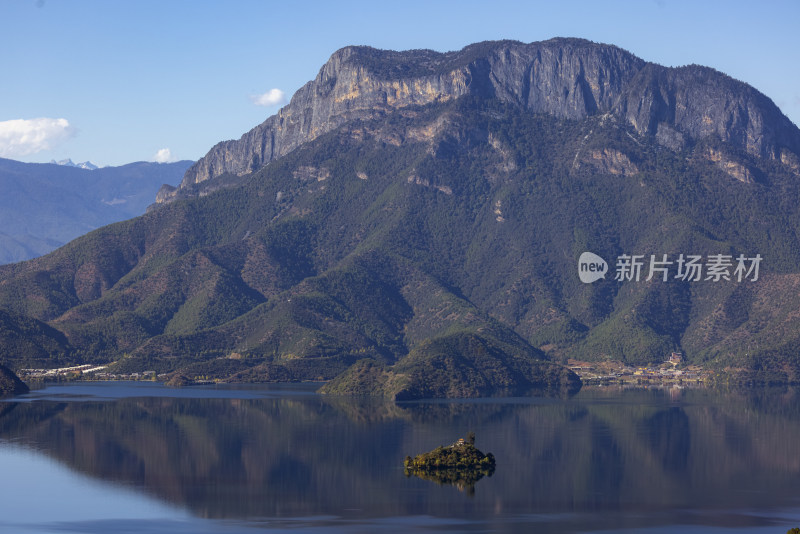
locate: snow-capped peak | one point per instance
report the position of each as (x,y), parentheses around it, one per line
(88,165)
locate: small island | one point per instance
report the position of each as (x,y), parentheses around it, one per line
(460,464)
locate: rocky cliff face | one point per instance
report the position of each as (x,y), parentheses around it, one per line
(683,105)
(566,78)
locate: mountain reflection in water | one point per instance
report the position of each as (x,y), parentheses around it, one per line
(618,459)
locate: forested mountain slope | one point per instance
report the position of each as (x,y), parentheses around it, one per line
(448,229)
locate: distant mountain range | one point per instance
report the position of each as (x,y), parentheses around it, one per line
(88,165)
(412,223)
(43,206)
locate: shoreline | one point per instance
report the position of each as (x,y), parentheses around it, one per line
(592,374)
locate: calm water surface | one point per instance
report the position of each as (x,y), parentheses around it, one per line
(138,457)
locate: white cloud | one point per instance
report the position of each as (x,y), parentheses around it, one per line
(273,97)
(20,137)
(164,156)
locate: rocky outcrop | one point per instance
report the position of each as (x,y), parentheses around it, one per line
(610,161)
(10,384)
(566,78)
(791,160)
(164,193)
(733,168)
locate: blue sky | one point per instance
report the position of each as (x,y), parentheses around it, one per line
(116,81)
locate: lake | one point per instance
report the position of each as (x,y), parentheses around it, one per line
(139,457)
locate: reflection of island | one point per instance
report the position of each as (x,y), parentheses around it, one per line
(461,464)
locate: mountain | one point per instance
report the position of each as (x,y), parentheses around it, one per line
(564,78)
(412,223)
(43,206)
(88,165)
(25,246)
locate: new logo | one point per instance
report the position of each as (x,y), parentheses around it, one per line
(591,267)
